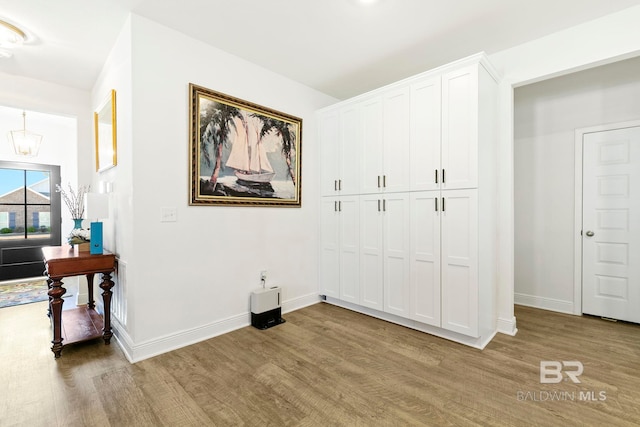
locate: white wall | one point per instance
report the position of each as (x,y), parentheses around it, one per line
(118,228)
(546,116)
(190,280)
(604,40)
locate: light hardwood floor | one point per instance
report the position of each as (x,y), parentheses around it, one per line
(325,366)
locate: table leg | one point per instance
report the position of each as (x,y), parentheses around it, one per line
(49,282)
(91,303)
(106,286)
(56,291)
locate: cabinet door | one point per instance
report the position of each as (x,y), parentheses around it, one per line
(329,133)
(459,225)
(329,248)
(349,249)
(396,140)
(425,257)
(349,150)
(397,283)
(425,134)
(460,128)
(371,147)
(371,252)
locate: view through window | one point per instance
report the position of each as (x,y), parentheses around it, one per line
(29,217)
(25,204)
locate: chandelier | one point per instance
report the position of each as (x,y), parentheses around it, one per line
(10,36)
(25,143)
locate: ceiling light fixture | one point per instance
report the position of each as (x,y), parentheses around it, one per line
(25,143)
(10,35)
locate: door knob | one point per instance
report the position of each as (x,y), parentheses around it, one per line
(589,233)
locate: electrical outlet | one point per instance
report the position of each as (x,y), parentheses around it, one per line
(263,276)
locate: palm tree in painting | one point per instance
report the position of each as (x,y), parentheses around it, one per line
(219,118)
(287,136)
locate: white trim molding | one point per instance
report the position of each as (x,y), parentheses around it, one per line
(544,303)
(507,326)
(136,352)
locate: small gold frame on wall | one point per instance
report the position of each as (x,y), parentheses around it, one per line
(242,154)
(106,133)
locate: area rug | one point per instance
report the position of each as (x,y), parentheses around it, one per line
(23,293)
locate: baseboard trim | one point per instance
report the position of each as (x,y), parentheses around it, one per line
(136,352)
(480,343)
(122,338)
(507,326)
(300,302)
(544,303)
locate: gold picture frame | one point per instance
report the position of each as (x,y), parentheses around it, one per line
(106,133)
(242,154)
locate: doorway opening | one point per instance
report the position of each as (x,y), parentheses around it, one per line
(546,116)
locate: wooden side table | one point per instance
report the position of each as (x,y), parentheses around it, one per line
(82,323)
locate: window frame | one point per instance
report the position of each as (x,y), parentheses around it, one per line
(54,206)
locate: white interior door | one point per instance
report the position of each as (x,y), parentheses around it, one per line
(611,224)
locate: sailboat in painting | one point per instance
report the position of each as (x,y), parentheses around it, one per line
(248,157)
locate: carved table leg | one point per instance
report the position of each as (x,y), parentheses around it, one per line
(49,282)
(91,302)
(56,291)
(106,286)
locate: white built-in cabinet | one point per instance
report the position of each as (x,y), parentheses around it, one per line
(445,113)
(384,253)
(385,142)
(340,139)
(416,244)
(340,260)
(444,260)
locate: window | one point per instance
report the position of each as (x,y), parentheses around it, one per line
(25,204)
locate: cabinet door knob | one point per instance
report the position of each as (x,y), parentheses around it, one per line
(589,233)
(436,173)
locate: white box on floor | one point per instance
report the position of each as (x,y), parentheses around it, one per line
(266,309)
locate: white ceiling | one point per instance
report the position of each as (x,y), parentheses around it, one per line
(339,47)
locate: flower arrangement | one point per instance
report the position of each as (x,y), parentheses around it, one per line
(74,199)
(79,235)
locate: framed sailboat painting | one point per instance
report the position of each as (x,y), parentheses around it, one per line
(242,153)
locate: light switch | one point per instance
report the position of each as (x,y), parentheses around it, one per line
(168,214)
